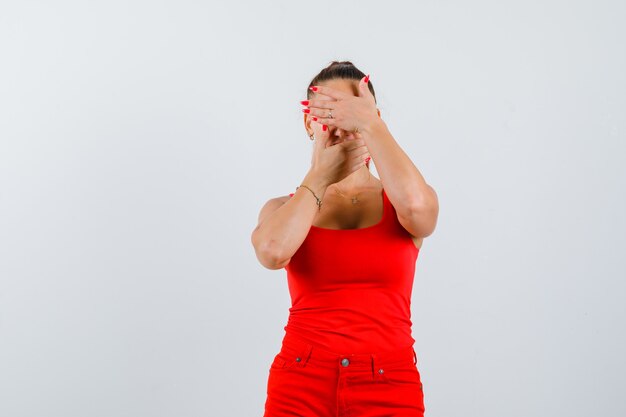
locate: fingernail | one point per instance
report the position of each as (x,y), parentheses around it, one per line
(305,102)
(367,78)
(306,110)
(368,159)
(324,128)
(313,88)
(315,119)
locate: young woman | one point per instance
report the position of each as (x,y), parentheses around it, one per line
(349,243)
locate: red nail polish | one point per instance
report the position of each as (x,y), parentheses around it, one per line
(324,128)
(313,88)
(305,102)
(315,119)
(368,159)
(306,110)
(367,78)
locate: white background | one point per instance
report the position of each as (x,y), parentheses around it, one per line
(139,140)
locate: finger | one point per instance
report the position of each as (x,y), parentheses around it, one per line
(360,159)
(330,92)
(358,163)
(351,145)
(325,120)
(319,113)
(319,103)
(322,139)
(360,152)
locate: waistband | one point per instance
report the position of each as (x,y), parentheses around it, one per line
(299,352)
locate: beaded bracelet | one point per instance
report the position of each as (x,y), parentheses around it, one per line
(319,202)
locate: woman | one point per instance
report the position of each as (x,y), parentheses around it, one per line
(349,243)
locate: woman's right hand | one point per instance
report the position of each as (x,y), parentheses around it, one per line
(336,161)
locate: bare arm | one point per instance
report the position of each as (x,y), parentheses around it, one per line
(415,201)
(283,226)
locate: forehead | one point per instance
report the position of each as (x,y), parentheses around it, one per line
(341,84)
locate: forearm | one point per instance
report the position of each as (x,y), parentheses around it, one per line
(403,183)
(284,230)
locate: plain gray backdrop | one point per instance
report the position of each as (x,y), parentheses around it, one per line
(139,141)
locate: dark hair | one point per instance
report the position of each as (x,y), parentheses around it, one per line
(339,69)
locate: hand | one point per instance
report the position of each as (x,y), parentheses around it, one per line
(335,162)
(350,113)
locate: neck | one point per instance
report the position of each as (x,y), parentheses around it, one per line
(355,182)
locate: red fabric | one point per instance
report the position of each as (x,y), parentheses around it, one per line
(307,381)
(351,289)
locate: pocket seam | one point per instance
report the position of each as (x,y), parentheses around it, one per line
(400,375)
(278,362)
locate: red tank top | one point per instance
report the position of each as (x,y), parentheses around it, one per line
(351,288)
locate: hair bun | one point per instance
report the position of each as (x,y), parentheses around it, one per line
(346,63)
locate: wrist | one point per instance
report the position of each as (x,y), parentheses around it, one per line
(373,127)
(315,180)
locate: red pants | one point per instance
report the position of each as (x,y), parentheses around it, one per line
(306,381)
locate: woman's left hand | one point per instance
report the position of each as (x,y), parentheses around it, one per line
(351,113)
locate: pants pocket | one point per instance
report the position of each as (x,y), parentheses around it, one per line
(278,362)
(407,382)
(407,374)
(286,359)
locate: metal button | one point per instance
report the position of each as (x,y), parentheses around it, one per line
(380,371)
(345,362)
(298,359)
